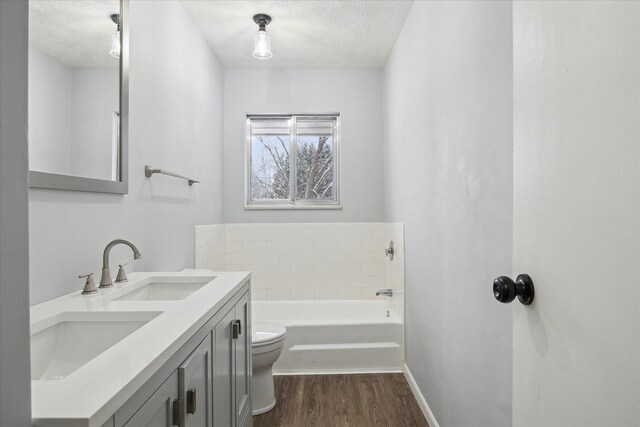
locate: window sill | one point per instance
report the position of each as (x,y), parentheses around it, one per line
(293,207)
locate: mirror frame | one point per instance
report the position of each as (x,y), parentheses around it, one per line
(56,181)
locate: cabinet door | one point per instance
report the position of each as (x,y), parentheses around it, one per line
(223,406)
(194,376)
(242,344)
(158,411)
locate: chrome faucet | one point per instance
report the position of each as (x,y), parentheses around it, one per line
(105,280)
(385,292)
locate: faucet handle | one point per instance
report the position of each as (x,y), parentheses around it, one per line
(390,251)
(89,285)
(122,276)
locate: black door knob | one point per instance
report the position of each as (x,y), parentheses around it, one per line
(505,290)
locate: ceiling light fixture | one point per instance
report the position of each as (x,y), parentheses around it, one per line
(262,41)
(115,38)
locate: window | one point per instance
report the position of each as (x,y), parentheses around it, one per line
(292,161)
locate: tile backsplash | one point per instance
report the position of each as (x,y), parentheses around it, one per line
(306,260)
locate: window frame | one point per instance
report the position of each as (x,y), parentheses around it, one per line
(291,203)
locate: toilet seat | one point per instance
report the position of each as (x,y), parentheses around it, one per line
(265,333)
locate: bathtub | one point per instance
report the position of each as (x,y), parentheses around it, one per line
(345,336)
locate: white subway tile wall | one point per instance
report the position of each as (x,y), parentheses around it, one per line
(307,261)
(394,270)
(211,248)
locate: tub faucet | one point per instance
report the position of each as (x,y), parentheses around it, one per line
(385,292)
(105,280)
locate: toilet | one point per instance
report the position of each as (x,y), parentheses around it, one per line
(266,346)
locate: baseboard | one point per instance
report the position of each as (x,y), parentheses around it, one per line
(340,371)
(422,402)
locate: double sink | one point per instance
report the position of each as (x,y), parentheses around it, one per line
(66,341)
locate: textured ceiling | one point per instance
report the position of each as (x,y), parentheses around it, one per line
(304,34)
(75,32)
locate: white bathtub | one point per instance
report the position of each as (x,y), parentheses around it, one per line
(346,336)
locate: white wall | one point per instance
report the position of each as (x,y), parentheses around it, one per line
(448,176)
(576,357)
(49,93)
(355,94)
(15,378)
(176,122)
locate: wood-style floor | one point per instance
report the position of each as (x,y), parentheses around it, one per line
(364,400)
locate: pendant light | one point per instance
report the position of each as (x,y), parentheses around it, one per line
(262,40)
(115,38)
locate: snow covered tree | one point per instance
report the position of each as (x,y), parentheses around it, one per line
(314,168)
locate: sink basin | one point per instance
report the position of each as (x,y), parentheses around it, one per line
(65,342)
(166,289)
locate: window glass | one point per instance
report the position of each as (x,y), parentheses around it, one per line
(314,160)
(270,163)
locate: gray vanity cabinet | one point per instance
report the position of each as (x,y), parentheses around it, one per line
(223,401)
(195,386)
(242,354)
(232,369)
(158,411)
(206,383)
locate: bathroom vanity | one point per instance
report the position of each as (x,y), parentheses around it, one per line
(164,349)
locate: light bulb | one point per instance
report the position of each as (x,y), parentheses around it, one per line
(115,45)
(262,45)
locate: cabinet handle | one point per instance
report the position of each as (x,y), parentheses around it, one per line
(236,329)
(178,410)
(191,401)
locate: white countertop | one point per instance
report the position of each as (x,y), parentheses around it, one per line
(92,393)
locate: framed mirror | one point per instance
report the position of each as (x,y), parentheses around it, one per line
(79,95)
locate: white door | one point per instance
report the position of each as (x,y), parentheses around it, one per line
(576,359)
